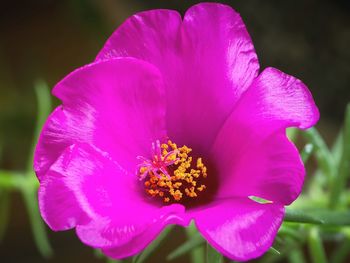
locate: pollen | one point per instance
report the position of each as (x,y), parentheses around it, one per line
(172,174)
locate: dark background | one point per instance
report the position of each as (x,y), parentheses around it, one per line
(47,39)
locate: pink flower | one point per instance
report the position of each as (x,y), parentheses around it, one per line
(105,161)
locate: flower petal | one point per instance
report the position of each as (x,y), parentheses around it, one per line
(241,229)
(116,105)
(141,241)
(150,35)
(132,222)
(207,62)
(271,170)
(85,189)
(276,100)
(252,143)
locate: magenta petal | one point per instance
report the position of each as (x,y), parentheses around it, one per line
(271,169)
(276,100)
(82,185)
(222,48)
(133,221)
(207,62)
(240,228)
(58,203)
(135,245)
(116,105)
(87,190)
(150,35)
(252,143)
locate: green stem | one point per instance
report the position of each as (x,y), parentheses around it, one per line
(292,134)
(323,155)
(109,260)
(342,252)
(306,152)
(192,243)
(296,256)
(298,216)
(43,96)
(339,181)
(38,228)
(213,256)
(321,217)
(153,246)
(274,251)
(197,254)
(316,248)
(16,180)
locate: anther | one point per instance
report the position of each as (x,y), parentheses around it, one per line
(171,174)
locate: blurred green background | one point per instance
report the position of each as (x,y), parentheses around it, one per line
(47,39)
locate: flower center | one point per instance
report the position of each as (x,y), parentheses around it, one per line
(172,175)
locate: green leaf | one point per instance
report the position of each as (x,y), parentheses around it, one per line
(323,155)
(198,253)
(213,256)
(296,256)
(4,211)
(44,109)
(340,179)
(152,247)
(27,182)
(109,260)
(194,242)
(299,216)
(274,251)
(7,180)
(318,216)
(11,180)
(38,227)
(341,252)
(98,253)
(317,252)
(306,152)
(337,148)
(292,134)
(332,218)
(290,232)
(288,245)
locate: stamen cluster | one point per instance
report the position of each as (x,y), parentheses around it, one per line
(172,174)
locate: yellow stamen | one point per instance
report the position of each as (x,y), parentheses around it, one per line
(184,176)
